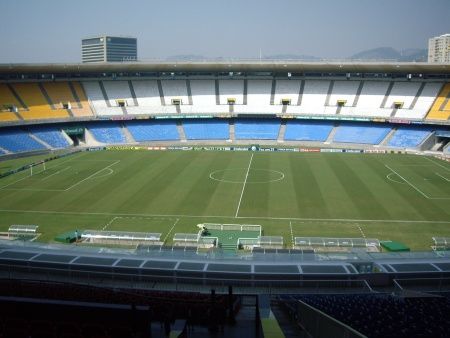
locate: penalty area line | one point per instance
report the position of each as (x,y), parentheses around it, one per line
(170,230)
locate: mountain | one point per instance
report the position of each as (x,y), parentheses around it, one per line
(291,57)
(391,54)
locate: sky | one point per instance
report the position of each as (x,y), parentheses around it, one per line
(51,30)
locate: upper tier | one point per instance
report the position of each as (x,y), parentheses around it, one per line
(421,99)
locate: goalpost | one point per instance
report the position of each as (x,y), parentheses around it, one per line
(38,166)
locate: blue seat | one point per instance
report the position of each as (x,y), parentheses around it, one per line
(50,135)
(16,140)
(107,132)
(308,130)
(253,129)
(153,131)
(408,137)
(206,129)
(361,133)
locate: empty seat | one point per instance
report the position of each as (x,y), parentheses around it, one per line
(153,131)
(206,129)
(257,129)
(308,131)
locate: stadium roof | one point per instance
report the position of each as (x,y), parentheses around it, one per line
(234,65)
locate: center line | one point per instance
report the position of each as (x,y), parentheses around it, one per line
(243,187)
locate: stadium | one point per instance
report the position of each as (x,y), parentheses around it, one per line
(270,182)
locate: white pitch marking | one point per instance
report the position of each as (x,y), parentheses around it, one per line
(170,230)
(226,217)
(20,179)
(243,186)
(59,171)
(292,234)
(445,178)
(84,179)
(361,230)
(110,222)
(412,185)
(388,176)
(442,166)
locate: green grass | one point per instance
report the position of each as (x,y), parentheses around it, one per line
(336,195)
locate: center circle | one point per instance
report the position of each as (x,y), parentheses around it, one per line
(238,175)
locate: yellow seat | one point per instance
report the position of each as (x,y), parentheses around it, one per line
(7,99)
(438,111)
(6,116)
(85,109)
(62,93)
(34,99)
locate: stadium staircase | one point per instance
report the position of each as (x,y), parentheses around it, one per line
(161,93)
(133,93)
(181,131)
(128,136)
(189,92)
(105,95)
(4,151)
(388,138)
(232,138)
(437,146)
(37,139)
(428,142)
(245,91)
(418,94)
(228,247)
(386,96)
(331,135)
(282,131)
(289,327)
(89,139)
(358,94)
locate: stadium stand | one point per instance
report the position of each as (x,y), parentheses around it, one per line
(16,140)
(175,90)
(287,89)
(361,133)
(258,92)
(147,93)
(68,95)
(441,106)
(385,315)
(308,130)
(404,92)
(252,129)
(314,96)
(153,131)
(7,102)
(408,137)
(203,92)
(206,129)
(231,89)
(344,90)
(371,99)
(118,91)
(50,135)
(107,132)
(83,104)
(34,97)
(98,100)
(421,106)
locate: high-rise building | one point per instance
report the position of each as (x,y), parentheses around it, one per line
(108,49)
(439,49)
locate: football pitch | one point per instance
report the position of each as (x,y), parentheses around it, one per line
(390,197)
